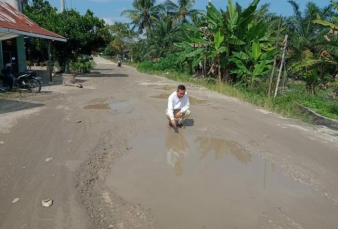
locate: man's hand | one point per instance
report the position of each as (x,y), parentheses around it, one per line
(173,122)
(178,114)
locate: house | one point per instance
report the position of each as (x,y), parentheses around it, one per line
(14,26)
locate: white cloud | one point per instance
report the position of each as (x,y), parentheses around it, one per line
(112,20)
(108,21)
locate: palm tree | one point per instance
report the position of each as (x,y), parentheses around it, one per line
(303,33)
(144,15)
(165,33)
(182,10)
(306,39)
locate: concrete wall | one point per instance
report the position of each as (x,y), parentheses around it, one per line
(17,4)
(13,3)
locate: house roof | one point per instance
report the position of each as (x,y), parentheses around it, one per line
(13,23)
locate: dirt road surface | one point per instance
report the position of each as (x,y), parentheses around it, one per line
(105,156)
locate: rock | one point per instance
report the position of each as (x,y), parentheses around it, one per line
(47,203)
(15,200)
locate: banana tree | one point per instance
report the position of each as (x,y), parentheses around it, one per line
(250,66)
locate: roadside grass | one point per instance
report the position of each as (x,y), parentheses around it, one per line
(15,94)
(284,104)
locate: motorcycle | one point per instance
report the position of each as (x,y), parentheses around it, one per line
(23,80)
(119,63)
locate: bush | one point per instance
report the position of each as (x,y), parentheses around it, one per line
(82,65)
(168,64)
(255,94)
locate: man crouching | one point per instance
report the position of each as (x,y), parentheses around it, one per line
(178,107)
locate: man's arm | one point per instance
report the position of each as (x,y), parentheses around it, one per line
(186,105)
(171,108)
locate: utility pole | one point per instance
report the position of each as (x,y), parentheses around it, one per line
(285,44)
(62,5)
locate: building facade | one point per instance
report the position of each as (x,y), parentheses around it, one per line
(14,27)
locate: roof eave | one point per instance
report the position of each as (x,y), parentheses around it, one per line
(14,31)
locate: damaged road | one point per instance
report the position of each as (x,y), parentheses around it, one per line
(104,155)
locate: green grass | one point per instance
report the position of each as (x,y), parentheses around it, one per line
(15,94)
(283,104)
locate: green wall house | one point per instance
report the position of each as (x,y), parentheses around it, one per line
(14,28)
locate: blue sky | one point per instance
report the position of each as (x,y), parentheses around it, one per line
(110,10)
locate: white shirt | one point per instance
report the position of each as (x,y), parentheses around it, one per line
(177,103)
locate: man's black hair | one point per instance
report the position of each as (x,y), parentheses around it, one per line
(181,87)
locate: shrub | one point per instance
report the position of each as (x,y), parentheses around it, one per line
(82,65)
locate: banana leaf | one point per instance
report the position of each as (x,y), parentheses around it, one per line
(195,53)
(256,50)
(219,38)
(241,55)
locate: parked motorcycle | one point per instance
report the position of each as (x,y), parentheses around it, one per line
(22,80)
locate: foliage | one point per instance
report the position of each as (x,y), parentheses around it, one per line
(85,33)
(237,48)
(82,65)
(144,15)
(168,64)
(183,10)
(123,39)
(312,59)
(235,38)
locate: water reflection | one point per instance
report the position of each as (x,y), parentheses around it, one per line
(176,147)
(221,148)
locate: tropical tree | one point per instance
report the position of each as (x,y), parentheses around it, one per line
(304,35)
(43,14)
(183,10)
(227,38)
(308,53)
(165,33)
(144,15)
(85,33)
(123,38)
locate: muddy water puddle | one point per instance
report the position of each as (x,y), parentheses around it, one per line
(200,182)
(192,100)
(108,106)
(97,107)
(162,87)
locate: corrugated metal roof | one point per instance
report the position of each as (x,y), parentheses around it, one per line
(13,21)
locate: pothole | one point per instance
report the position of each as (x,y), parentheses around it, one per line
(162,87)
(106,106)
(192,100)
(201,182)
